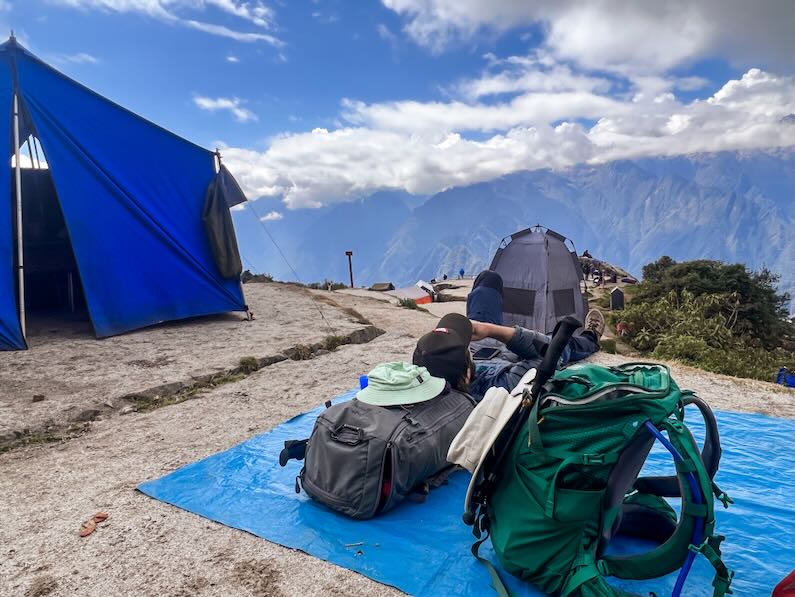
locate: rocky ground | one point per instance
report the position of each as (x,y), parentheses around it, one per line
(147,547)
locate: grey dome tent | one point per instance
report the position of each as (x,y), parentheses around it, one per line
(541,279)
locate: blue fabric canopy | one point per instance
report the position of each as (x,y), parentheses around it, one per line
(10,332)
(132,196)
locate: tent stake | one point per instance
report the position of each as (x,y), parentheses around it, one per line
(18,185)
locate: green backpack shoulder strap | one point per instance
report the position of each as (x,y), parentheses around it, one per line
(671,555)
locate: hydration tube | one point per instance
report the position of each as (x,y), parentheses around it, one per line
(695,490)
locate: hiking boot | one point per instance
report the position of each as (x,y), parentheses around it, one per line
(595,323)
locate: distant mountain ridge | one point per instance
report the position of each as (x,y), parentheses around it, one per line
(731,206)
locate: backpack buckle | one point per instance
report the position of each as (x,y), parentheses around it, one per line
(590,459)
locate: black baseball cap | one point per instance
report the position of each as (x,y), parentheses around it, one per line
(443,351)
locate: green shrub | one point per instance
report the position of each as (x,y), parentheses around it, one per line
(248,364)
(608,345)
(700,331)
(327,285)
(247,277)
(300,352)
(408,303)
(334,342)
(752,303)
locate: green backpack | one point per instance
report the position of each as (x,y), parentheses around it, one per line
(562,480)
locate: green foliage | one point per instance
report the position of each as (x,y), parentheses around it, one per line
(248,364)
(247,277)
(738,359)
(327,285)
(608,345)
(335,341)
(300,352)
(757,311)
(701,331)
(408,303)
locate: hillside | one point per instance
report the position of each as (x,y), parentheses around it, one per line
(62,476)
(732,206)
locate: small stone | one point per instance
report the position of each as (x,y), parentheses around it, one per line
(38,397)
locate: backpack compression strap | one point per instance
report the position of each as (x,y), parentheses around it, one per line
(693,534)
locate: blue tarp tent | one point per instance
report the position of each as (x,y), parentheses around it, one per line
(145,213)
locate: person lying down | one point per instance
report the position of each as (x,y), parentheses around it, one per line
(390,442)
(502,355)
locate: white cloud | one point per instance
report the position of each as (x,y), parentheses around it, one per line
(176,12)
(522,110)
(272,216)
(79,58)
(620,35)
(423,147)
(223,31)
(233,105)
(232,59)
(385,33)
(537,72)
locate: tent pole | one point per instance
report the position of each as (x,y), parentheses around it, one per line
(18,187)
(36,149)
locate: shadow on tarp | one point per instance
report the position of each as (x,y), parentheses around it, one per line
(423,549)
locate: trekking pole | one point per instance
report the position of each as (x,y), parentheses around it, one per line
(560,338)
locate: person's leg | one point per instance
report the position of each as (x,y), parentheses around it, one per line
(581,346)
(587,343)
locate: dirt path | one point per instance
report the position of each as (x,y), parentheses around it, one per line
(149,548)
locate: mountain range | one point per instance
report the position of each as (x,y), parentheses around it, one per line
(736,207)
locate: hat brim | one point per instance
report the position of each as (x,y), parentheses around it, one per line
(430,388)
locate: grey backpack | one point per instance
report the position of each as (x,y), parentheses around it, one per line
(362,460)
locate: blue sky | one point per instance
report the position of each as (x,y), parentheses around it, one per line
(316,101)
(332,50)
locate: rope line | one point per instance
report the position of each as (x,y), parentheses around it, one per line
(250,205)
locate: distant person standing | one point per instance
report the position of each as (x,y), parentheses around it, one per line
(587,254)
(461,274)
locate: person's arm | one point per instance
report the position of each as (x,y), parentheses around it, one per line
(526,344)
(481,330)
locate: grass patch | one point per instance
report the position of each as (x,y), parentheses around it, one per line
(608,345)
(247,277)
(144,404)
(333,342)
(408,303)
(327,285)
(248,365)
(49,436)
(300,352)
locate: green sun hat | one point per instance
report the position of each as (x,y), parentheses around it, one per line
(392,384)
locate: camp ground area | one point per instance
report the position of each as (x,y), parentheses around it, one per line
(148,547)
(146,391)
(68,378)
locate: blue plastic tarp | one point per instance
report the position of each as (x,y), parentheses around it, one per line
(423,549)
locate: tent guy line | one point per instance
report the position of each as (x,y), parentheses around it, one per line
(257,217)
